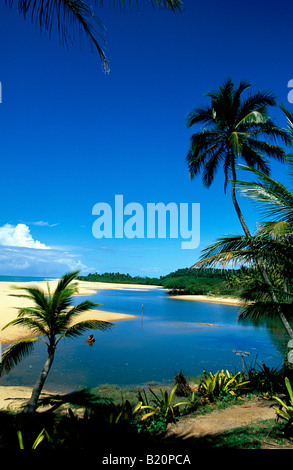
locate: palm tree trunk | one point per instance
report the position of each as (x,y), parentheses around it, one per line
(31,405)
(236,205)
(261,268)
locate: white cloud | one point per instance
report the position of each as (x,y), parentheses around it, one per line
(22,255)
(41,223)
(19,236)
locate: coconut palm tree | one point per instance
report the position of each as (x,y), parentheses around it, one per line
(269,253)
(66,14)
(234,128)
(52,318)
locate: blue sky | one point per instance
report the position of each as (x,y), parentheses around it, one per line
(72,137)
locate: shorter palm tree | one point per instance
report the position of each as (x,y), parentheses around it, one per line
(52,318)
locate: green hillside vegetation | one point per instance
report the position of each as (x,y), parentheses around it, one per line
(120,279)
(183,281)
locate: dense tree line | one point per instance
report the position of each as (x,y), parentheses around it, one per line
(181,281)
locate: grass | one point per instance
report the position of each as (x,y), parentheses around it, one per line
(255,436)
(118,394)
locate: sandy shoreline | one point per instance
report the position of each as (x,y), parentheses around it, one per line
(12,397)
(9,305)
(210,299)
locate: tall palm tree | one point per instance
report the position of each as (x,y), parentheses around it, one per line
(66,14)
(234,127)
(52,317)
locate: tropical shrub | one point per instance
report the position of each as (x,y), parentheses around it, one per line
(220,384)
(161,405)
(267,380)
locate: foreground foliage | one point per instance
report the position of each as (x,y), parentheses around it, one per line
(220,384)
(143,417)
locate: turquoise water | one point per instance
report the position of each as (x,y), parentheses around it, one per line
(23,279)
(167,341)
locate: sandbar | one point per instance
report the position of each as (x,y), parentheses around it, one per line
(209,298)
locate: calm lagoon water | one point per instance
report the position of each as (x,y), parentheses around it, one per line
(155,350)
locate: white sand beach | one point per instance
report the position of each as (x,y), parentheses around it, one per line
(9,305)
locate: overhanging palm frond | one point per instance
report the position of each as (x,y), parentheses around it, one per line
(247,251)
(174,5)
(15,353)
(65,15)
(258,311)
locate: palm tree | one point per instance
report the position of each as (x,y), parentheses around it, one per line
(52,317)
(68,13)
(269,253)
(234,128)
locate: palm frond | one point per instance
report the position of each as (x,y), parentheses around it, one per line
(257,311)
(80,328)
(276,200)
(289,116)
(15,353)
(35,326)
(203,115)
(258,101)
(174,5)
(66,280)
(277,229)
(64,319)
(241,250)
(35,294)
(65,15)
(241,128)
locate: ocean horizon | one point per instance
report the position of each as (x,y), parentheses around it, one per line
(26,278)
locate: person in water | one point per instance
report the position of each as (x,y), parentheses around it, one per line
(91,339)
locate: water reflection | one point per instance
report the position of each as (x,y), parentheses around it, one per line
(175,335)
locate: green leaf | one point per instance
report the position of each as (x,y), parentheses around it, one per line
(16,352)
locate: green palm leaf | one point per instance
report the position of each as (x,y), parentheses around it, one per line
(79,328)
(66,15)
(16,352)
(272,198)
